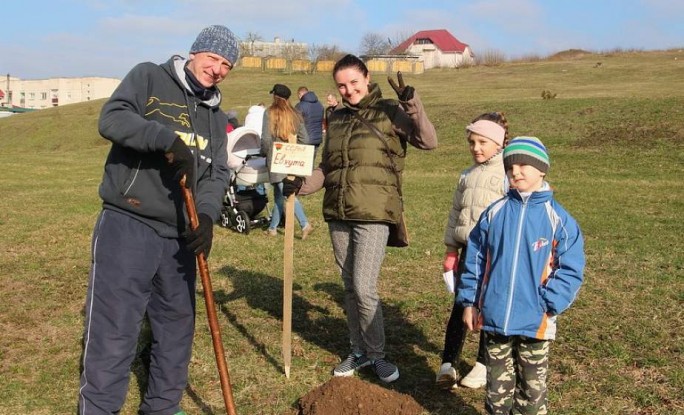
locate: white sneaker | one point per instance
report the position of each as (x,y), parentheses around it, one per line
(477,377)
(447,377)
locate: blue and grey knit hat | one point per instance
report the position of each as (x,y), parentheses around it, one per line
(219,40)
(526,150)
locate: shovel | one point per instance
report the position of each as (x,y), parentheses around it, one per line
(211,307)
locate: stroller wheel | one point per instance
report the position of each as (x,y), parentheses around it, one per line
(225,219)
(242,224)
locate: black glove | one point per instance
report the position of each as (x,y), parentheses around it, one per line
(404,92)
(181,159)
(199,240)
(291,187)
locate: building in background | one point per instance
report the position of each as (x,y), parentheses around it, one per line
(277,48)
(437,49)
(53,92)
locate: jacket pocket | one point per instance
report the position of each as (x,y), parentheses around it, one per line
(542,303)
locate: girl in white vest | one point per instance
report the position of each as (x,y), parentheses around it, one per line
(478,186)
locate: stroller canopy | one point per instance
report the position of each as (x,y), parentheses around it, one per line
(244,148)
(242,142)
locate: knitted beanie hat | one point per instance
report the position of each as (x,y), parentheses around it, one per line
(526,150)
(219,40)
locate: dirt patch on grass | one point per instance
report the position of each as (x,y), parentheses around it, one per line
(569,54)
(353,396)
(630,134)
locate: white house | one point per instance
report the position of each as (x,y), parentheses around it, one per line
(437,48)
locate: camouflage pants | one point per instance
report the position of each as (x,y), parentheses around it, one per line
(516,374)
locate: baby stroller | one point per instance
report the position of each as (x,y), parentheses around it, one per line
(246,196)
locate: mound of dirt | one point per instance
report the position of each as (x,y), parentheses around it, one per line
(569,54)
(353,396)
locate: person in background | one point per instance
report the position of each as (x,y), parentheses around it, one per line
(478,186)
(361,171)
(164,123)
(255,117)
(280,121)
(331,104)
(524,267)
(312,112)
(233,121)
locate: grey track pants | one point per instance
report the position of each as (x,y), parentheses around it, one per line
(359,249)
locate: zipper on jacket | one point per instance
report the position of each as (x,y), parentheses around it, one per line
(514,270)
(135,176)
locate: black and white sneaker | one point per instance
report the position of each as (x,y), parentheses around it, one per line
(386,371)
(351,364)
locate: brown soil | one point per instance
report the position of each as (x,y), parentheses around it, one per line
(353,396)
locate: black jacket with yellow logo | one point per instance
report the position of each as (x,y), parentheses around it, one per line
(151,107)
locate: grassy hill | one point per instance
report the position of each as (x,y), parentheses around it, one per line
(616,138)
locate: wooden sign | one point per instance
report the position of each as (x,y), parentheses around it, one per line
(292,159)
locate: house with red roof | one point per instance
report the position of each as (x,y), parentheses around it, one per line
(437,48)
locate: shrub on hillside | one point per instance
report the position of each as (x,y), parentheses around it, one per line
(491,57)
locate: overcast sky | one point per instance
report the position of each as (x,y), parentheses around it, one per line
(74,38)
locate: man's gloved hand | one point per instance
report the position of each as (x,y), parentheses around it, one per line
(199,240)
(181,159)
(291,187)
(404,92)
(450,261)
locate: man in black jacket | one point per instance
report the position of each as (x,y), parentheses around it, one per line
(164,123)
(312,111)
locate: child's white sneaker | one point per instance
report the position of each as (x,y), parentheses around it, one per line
(477,377)
(447,377)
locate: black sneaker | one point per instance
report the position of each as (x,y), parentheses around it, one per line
(351,364)
(386,371)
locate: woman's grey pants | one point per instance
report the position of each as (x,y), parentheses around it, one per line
(359,249)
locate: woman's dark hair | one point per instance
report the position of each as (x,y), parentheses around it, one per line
(497,117)
(350,61)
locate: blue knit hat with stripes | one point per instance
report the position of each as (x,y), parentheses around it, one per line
(526,150)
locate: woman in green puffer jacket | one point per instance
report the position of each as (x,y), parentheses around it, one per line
(361,172)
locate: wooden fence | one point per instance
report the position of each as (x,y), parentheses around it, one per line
(299,65)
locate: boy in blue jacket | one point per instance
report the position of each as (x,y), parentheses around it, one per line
(524,266)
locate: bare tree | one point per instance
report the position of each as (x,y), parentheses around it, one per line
(490,57)
(374,44)
(245,49)
(330,53)
(290,51)
(398,38)
(253,37)
(314,52)
(247,46)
